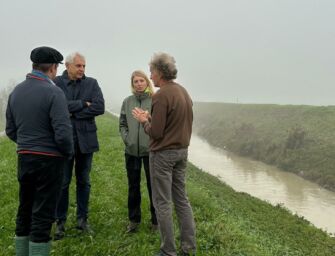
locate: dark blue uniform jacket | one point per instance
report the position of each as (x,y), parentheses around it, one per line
(83,118)
(37,118)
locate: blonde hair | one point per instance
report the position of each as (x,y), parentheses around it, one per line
(149,90)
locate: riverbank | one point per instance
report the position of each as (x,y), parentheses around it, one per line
(266,182)
(228,223)
(297,139)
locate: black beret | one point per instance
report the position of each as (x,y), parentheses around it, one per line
(45,54)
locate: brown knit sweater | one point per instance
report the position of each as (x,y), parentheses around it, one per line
(171,118)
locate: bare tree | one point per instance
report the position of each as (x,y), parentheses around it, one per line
(4,93)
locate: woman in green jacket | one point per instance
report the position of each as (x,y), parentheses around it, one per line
(136,147)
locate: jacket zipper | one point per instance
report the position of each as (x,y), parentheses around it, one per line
(138,135)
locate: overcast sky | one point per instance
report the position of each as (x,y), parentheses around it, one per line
(260,51)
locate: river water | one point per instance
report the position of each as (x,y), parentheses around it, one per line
(267,183)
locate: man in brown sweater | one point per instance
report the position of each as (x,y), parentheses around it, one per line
(169,127)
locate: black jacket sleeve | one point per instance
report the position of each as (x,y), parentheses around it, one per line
(97,106)
(75,105)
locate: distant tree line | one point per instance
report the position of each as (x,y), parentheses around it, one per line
(4,93)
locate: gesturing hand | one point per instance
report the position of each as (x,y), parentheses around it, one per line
(140,115)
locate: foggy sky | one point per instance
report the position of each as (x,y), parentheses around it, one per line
(260,51)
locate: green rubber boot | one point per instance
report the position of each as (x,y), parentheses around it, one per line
(39,249)
(22,245)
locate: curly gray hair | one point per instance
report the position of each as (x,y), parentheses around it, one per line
(165,64)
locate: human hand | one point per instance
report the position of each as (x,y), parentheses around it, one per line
(140,115)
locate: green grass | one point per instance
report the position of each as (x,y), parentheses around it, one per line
(228,223)
(298,139)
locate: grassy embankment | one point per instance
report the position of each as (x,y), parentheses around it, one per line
(298,139)
(228,223)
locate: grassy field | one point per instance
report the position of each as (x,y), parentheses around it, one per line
(298,139)
(228,223)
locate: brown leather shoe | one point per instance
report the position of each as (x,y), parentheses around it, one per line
(60,230)
(132,227)
(83,225)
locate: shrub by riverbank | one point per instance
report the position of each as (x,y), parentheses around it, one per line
(228,223)
(298,139)
(4,93)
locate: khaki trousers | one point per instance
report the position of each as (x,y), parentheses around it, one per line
(167,170)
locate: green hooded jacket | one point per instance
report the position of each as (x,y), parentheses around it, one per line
(135,139)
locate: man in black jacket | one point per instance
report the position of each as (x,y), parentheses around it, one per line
(38,121)
(85,102)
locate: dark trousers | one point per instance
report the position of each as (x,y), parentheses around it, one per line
(82,164)
(133,166)
(40,179)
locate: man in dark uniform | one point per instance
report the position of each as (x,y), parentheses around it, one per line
(38,121)
(85,101)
